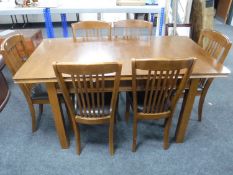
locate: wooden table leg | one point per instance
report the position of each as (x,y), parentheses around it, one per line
(57,115)
(186,110)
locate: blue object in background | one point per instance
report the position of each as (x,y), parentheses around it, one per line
(48,23)
(152,17)
(64,25)
(162,13)
(152,2)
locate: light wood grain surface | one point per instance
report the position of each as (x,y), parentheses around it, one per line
(39,68)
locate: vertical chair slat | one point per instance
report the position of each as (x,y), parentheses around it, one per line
(146,91)
(172,83)
(80,87)
(92,96)
(209,46)
(152,91)
(218,51)
(75,85)
(98,93)
(157,89)
(87,95)
(165,89)
(102,93)
(161,85)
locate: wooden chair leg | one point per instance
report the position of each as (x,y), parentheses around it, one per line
(41,107)
(77,138)
(202,98)
(78,142)
(166,133)
(134,134)
(127,108)
(33,115)
(111,137)
(116,110)
(69,116)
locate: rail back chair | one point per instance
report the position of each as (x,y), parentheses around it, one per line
(4,92)
(157,85)
(181,29)
(217,46)
(132,29)
(4,89)
(15,53)
(95,97)
(92,29)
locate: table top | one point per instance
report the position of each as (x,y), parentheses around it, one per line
(38,67)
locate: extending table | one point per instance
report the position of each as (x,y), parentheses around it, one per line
(38,68)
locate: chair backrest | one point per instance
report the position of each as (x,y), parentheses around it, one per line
(132,29)
(162,80)
(4,91)
(91,85)
(14,52)
(90,29)
(215,44)
(182,29)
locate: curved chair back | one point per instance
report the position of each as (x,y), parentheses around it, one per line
(14,52)
(132,29)
(90,86)
(165,82)
(215,44)
(91,29)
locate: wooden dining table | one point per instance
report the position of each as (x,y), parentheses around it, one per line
(38,68)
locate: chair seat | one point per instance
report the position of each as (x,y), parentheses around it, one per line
(106,109)
(2,63)
(39,92)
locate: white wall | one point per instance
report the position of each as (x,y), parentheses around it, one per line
(70,17)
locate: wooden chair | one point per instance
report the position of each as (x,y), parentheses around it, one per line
(91,87)
(182,29)
(2,64)
(133,29)
(217,46)
(15,53)
(4,90)
(162,82)
(92,29)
